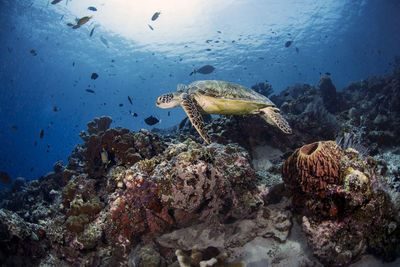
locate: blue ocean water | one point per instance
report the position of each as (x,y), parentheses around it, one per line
(46,65)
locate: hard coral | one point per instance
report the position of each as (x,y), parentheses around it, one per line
(119,146)
(312,167)
(98,125)
(137,210)
(210,186)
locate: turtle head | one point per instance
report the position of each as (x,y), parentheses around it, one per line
(170,100)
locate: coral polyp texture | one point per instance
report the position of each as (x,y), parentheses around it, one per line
(312,167)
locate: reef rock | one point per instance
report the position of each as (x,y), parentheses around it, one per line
(273,221)
(107,147)
(328,93)
(343,211)
(213,181)
(19,240)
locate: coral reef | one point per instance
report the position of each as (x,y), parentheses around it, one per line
(273,221)
(336,198)
(373,111)
(328,93)
(152,199)
(145,255)
(19,240)
(97,126)
(118,146)
(198,258)
(263,88)
(212,181)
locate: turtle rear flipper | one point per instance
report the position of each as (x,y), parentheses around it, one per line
(189,106)
(272,116)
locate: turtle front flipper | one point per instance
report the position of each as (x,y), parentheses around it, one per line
(272,116)
(189,106)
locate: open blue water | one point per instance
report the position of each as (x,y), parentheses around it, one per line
(243,39)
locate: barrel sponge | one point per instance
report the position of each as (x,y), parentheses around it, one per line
(312,167)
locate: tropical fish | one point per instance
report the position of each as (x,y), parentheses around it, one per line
(328,73)
(134,114)
(92,8)
(151,28)
(41,134)
(14,127)
(130,100)
(121,105)
(207,69)
(155,16)
(70,24)
(55,108)
(33,52)
(91,32)
(151,120)
(94,76)
(55,2)
(5,178)
(288,43)
(104,157)
(90,91)
(83,20)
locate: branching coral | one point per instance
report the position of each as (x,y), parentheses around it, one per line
(263,88)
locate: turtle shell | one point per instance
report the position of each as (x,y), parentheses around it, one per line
(227,90)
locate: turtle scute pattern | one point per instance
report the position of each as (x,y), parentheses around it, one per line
(228,90)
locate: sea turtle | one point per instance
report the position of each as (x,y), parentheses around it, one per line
(219,97)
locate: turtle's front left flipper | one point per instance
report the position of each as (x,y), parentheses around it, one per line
(189,106)
(272,116)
